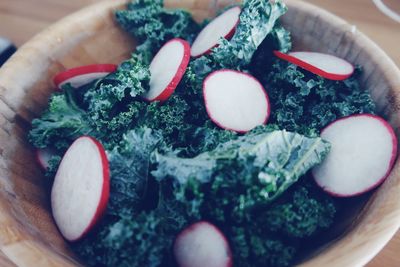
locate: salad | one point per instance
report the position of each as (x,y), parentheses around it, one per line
(213,145)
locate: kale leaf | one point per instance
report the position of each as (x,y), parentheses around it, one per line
(133,232)
(253,245)
(152,25)
(302,101)
(142,239)
(171,166)
(129,167)
(114,104)
(257,20)
(234,185)
(61,123)
(301,213)
(258,28)
(54,162)
(273,236)
(267,164)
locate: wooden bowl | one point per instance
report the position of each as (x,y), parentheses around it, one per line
(28,236)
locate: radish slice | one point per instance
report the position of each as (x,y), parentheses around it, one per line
(364,148)
(222,26)
(202,244)
(327,66)
(235,101)
(81,188)
(167,69)
(43,157)
(80,76)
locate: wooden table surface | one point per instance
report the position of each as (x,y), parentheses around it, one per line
(21,19)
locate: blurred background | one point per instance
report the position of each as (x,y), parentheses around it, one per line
(20,20)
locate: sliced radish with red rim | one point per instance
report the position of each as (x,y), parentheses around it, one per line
(363,151)
(80,76)
(324,65)
(202,244)
(167,69)
(235,100)
(81,188)
(43,157)
(222,26)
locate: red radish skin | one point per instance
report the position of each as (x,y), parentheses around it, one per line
(263,96)
(202,244)
(223,26)
(65,196)
(162,88)
(43,156)
(379,180)
(292,58)
(80,76)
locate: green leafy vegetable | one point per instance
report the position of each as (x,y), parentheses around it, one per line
(104,109)
(131,240)
(54,162)
(253,245)
(233,186)
(272,236)
(152,25)
(258,25)
(133,233)
(257,21)
(171,166)
(301,214)
(129,165)
(61,123)
(244,173)
(302,101)
(113,104)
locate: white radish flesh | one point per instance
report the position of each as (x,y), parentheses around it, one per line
(222,26)
(364,148)
(235,100)
(83,75)
(167,69)
(81,188)
(202,244)
(324,65)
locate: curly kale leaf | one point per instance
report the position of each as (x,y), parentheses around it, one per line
(142,239)
(61,123)
(281,39)
(257,20)
(244,173)
(133,233)
(258,29)
(273,236)
(152,25)
(113,104)
(169,117)
(129,166)
(302,213)
(263,58)
(54,162)
(184,123)
(204,138)
(302,101)
(252,246)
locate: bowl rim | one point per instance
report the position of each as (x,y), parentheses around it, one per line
(363,250)
(366,248)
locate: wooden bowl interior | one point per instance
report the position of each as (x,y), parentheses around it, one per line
(27,230)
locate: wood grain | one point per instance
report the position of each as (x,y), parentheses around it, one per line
(20,20)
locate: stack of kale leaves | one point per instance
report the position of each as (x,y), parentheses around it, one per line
(171,166)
